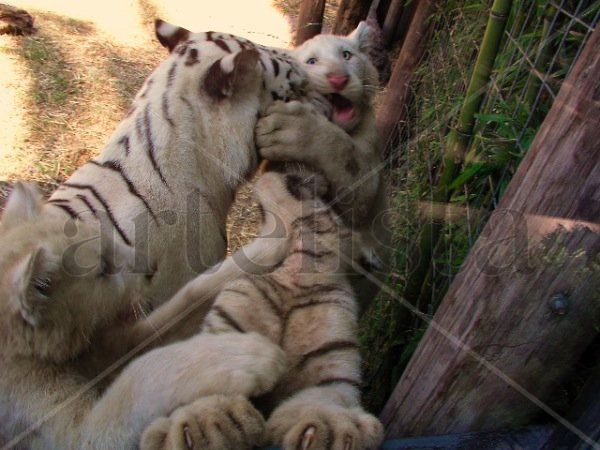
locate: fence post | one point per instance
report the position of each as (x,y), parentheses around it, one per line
(525,304)
(310,20)
(392,111)
(392,19)
(349,14)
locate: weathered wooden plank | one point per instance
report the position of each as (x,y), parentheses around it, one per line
(501,340)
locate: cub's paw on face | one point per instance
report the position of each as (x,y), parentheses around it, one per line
(217,422)
(289,131)
(314,426)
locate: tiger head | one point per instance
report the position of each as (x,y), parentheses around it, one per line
(235,65)
(60,282)
(339,69)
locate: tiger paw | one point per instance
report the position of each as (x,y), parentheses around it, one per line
(289,131)
(211,423)
(310,426)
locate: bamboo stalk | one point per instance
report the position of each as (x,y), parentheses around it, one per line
(458,140)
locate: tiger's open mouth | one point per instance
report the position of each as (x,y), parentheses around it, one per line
(343,109)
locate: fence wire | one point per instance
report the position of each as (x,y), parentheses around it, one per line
(541,41)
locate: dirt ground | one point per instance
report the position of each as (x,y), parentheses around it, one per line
(64,89)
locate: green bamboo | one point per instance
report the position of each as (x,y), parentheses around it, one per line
(458,140)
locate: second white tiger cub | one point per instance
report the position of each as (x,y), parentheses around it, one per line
(306,306)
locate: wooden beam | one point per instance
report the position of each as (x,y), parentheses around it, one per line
(310,20)
(525,304)
(392,112)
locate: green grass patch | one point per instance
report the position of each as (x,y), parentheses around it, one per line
(516,103)
(53,83)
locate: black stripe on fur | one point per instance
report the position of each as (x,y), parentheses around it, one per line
(324,349)
(96,194)
(150,145)
(116,167)
(226,317)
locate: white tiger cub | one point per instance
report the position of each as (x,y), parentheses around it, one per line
(64,293)
(307,306)
(343,146)
(166,178)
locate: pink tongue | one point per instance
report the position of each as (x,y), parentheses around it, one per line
(343,115)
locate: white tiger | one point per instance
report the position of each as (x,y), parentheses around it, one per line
(157,194)
(343,146)
(305,305)
(64,294)
(166,179)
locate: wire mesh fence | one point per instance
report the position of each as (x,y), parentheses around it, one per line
(539,44)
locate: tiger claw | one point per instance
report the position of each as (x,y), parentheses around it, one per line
(308,437)
(189,443)
(347,442)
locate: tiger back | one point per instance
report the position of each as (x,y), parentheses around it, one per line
(166,178)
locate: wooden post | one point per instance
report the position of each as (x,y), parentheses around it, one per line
(392,19)
(392,111)
(310,20)
(526,299)
(350,13)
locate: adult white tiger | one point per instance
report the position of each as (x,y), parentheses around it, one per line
(166,178)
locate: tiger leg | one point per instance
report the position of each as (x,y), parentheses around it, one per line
(183,315)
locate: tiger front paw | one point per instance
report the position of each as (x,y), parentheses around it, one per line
(288,132)
(310,426)
(211,423)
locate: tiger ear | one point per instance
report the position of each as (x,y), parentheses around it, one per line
(231,73)
(170,35)
(29,271)
(24,204)
(362,36)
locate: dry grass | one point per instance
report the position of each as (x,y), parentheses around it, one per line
(79,87)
